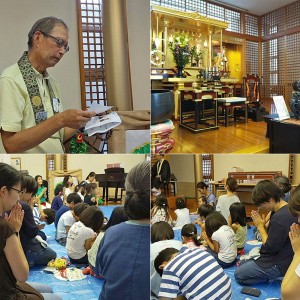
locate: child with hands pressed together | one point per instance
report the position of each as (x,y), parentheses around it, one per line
(201,200)
(90,197)
(190,237)
(182,213)
(58,200)
(80,189)
(82,234)
(220,239)
(68,219)
(237,220)
(203,211)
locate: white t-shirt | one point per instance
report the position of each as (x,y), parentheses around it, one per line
(183,217)
(224,203)
(155,248)
(225,236)
(66,219)
(77,236)
(92,253)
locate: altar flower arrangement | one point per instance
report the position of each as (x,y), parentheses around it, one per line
(181,50)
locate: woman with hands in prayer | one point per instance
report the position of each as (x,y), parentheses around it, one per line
(276,252)
(13,262)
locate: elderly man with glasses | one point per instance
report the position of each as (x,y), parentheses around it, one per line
(32,119)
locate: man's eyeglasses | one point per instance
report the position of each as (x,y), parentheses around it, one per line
(59,42)
(19,192)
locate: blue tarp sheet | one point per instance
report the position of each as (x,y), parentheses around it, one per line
(270,290)
(88,288)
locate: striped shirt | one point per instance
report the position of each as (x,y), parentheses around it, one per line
(195,274)
(36,215)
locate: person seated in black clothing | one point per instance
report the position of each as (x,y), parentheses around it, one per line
(91,190)
(34,246)
(276,253)
(160,173)
(58,200)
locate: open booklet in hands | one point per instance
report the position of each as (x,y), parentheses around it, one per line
(102,122)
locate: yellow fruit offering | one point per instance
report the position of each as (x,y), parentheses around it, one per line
(58,263)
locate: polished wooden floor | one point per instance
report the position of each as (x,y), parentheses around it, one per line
(238,138)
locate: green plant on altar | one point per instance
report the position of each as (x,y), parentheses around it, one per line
(195,55)
(181,50)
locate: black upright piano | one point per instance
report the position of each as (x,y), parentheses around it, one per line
(113,178)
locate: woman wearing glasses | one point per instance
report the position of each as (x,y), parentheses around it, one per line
(13,262)
(32,119)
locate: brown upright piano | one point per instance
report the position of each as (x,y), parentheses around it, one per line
(113,178)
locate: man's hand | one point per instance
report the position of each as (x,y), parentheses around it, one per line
(72,119)
(76,118)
